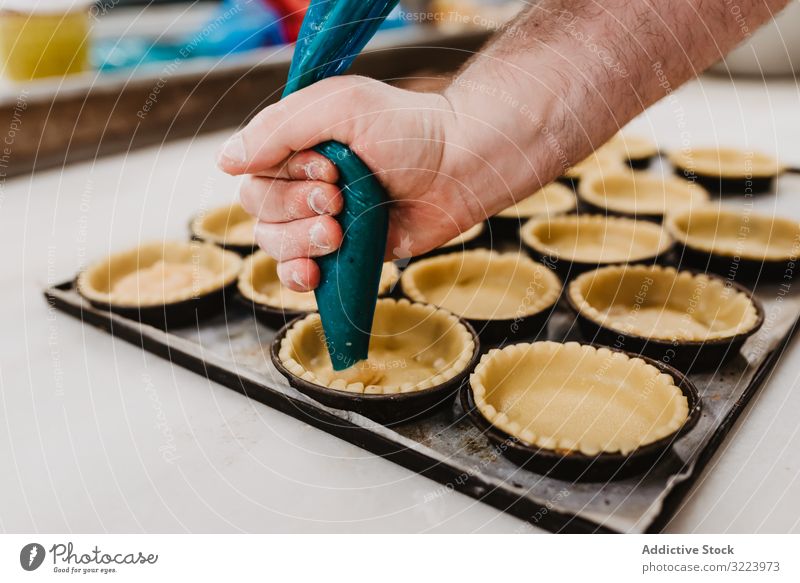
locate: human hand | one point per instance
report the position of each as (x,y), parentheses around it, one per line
(404,137)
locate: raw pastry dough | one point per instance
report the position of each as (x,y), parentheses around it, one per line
(482,284)
(595,238)
(632,147)
(230,225)
(553,199)
(640,193)
(159,273)
(413,347)
(259,282)
(460,240)
(599,162)
(730,233)
(662,303)
(572,397)
(726,163)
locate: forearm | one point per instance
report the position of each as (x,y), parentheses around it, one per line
(566,75)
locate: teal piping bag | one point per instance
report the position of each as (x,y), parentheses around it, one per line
(333,33)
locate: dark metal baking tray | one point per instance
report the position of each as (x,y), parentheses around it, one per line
(234,350)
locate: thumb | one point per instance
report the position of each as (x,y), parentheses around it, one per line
(323,111)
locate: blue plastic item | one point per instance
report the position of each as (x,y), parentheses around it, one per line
(333,33)
(235,26)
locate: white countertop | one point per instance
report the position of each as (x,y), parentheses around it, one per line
(97,435)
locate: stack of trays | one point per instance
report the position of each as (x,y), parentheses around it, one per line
(652,270)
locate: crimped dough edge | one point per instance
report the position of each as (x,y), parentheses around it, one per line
(470,234)
(259,260)
(510,360)
(594,187)
(608,278)
(560,199)
(716,246)
(312,324)
(93,279)
(201,225)
(530,238)
(707,162)
(488,257)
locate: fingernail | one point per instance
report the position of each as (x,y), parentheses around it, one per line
(319,236)
(233,149)
(317,201)
(313,170)
(296,279)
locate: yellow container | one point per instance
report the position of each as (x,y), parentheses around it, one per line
(44,38)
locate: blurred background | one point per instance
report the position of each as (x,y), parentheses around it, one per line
(106,76)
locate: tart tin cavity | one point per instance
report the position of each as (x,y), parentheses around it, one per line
(163,284)
(419,357)
(642,195)
(502,295)
(636,409)
(573,244)
(691,321)
(727,170)
(230,227)
(260,290)
(554,199)
(740,246)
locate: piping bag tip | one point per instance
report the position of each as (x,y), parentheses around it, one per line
(332,34)
(348,289)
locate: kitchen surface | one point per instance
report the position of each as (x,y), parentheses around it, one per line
(103,437)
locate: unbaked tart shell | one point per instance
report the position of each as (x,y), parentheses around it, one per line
(727,170)
(577,243)
(601,161)
(637,151)
(502,295)
(739,245)
(644,195)
(274,303)
(553,199)
(414,347)
(663,303)
(162,283)
(689,320)
(577,398)
(230,227)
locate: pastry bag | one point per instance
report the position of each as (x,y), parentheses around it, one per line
(332,34)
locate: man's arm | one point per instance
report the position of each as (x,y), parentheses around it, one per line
(564,76)
(558,81)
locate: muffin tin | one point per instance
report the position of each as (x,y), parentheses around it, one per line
(462,444)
